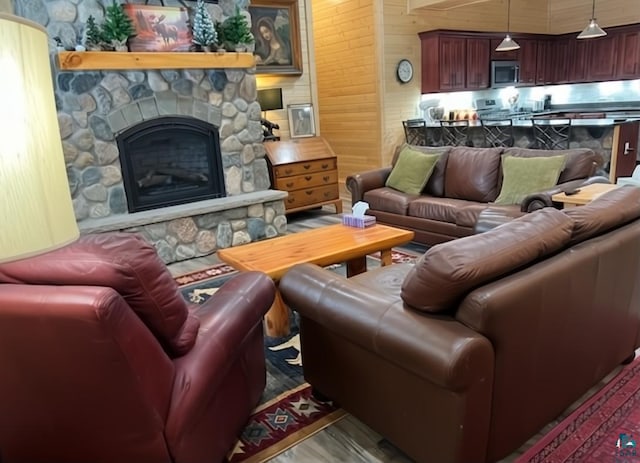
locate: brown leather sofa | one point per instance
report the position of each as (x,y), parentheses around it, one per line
(467,354)
(101,359)
(464,182)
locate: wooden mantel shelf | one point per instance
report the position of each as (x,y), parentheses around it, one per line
(105,60)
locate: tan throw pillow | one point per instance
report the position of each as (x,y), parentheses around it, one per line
(412,171)
(523,176)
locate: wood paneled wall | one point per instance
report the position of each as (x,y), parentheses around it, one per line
(348,79)
(573,15)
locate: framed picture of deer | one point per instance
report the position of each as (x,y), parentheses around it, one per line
(159,28)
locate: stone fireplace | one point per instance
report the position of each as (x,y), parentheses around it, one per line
(170,160)
(190,135)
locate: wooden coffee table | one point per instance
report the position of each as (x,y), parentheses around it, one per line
(584,196)
(321,246)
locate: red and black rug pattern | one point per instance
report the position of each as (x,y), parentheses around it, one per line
(606,428)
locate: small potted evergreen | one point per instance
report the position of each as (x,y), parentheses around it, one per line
(204,33)
(234,32)
(93,35)
(117,27)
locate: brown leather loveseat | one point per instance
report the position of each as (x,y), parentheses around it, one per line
(469,352)
(464,182)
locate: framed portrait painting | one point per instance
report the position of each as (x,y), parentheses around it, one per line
(301,120)
(274,24)
(159,28)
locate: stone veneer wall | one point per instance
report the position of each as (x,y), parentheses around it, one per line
(94,106)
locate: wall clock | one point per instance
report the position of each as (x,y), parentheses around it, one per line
(404,71)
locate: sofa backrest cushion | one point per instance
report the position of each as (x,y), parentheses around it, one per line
(524,176)
(579,163)
(443,276)
(435,185)
(610,210)
(472,174)
(129,265)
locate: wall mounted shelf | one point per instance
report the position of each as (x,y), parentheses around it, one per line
(106,60)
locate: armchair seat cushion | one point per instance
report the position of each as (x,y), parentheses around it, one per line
(126,263)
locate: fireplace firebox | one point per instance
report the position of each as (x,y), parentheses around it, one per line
(170,160)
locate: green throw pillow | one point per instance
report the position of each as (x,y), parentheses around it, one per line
(523,176)
(412,171)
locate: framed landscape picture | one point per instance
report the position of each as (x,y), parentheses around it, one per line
(301,120)
(274,24)
(159,28)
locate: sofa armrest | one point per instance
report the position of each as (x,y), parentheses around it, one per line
(227,319)
(358,184)
(541,199)
(434,347)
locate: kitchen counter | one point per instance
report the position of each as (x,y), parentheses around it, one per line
(519,122)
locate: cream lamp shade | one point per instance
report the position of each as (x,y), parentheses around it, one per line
(36,213)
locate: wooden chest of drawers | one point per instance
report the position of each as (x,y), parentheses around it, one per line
(307,168)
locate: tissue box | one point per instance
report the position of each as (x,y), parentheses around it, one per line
(358,222)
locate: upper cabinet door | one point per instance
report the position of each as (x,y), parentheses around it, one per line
(602,58)
(478,58)
(628,66)
(452,63)
(578,61)
(528,61)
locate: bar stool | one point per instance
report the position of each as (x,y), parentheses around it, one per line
(454,133)
(415,131)
(497,132)
(552,134)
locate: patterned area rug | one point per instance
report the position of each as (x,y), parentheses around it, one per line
(606,428)
(288,413)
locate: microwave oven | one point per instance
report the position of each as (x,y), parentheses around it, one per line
(504,73)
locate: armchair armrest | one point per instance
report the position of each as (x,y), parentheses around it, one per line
(358,184)
(541,199)
(226,320)
(432,346)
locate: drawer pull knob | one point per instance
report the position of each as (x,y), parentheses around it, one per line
(309,192)
(324,166)
(306,166)
(288,171)
(327,194)
(326,178)
(308,177)
(290,200)
(289,185)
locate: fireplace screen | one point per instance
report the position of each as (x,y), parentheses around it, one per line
(170,160)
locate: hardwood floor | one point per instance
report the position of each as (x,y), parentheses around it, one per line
(349,440)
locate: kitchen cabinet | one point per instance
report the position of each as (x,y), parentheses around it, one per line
(307,168)
(452,63)
(478,57)
(461,60)
(528,60)
(628,66)
(558,57)
(578,61)
(543,77)
(602,58)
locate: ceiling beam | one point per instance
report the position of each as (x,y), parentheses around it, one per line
(440,5)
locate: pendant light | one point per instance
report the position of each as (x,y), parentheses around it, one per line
(592,30)
(508,43)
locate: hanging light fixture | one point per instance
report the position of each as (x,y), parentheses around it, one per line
(592,30)
(508,43)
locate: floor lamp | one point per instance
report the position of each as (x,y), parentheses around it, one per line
(35,201)
(269,99)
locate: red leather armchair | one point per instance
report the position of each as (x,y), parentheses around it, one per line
(102,360)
